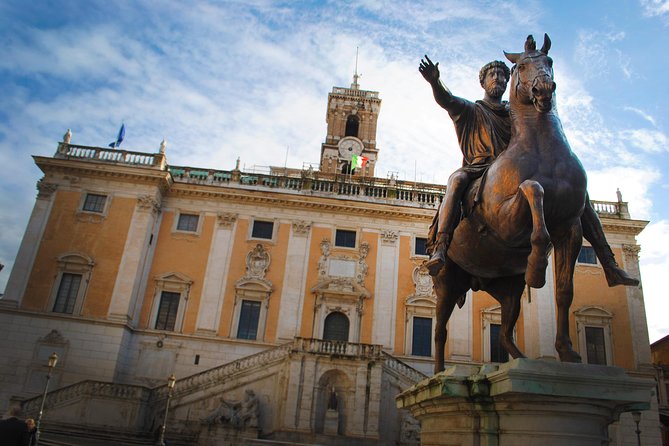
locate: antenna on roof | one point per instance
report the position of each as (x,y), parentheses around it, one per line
(356,76)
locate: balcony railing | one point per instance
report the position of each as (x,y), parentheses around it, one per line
(386,191)
(318,183)
(110,155)
(339,348)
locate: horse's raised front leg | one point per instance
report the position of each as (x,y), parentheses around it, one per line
(567,247)
(537,261)
(507,291)
(449,284)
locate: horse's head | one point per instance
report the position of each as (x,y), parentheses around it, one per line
(532,75)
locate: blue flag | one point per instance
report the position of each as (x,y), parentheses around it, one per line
(119,138)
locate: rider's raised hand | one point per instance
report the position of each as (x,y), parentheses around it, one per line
(429,70)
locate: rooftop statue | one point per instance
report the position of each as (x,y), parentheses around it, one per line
(521,192)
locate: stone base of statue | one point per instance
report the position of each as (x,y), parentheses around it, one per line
(331,424)
(524,402)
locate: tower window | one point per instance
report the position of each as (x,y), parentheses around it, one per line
(352,125)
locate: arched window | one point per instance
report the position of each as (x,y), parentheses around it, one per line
(352,125)
(336,327)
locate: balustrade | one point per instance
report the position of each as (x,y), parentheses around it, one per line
(109,155)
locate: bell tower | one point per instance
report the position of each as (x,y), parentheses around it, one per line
(350,144)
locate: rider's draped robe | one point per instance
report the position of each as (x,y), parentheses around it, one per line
(484,131)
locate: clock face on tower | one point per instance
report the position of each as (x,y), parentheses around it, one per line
(349,146)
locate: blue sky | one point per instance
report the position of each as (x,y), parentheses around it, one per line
(221,80)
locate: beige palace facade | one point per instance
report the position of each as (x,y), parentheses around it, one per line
(305,286)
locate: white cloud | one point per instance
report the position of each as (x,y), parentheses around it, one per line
(642,113)
(646,139)
(654,8)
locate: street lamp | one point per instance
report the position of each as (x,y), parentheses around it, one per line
(170,386)
(53,360)
(636,416)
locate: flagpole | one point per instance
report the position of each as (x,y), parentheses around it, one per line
(285,163)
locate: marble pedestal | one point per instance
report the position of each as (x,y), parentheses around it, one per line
(331,424)
(524,402)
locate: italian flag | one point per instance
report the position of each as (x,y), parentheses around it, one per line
(358,161)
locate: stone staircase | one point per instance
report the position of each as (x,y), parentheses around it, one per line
(142,406)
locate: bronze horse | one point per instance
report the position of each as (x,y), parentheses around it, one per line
(531,200)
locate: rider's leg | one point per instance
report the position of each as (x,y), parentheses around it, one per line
(449,215)
(593,232)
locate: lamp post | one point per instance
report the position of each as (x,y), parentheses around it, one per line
(53,360)
(170,386)
(636,416)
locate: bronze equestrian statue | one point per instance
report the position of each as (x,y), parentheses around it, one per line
(514,210)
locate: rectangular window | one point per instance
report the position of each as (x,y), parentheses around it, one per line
(67,293)
(420,246)
(594,341)
(421,344)
(167,311)
(94,203)
(344,238)
(248,320)
(187,222)
(262,229)
(497,353)
(587,255)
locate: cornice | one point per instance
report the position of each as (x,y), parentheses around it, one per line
(623,226)
(298,201)
(134,173)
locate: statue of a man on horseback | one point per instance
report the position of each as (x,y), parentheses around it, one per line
(484,129)
(521,192)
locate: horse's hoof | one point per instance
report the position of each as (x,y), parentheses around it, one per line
(535,275)
(569,355)
(534,278)
(617,276)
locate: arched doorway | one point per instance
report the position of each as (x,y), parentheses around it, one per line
(336,327)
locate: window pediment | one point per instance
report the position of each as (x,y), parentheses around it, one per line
(173,281)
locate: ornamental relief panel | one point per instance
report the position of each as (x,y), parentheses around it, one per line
(257,262)
(422,281)
(348,268)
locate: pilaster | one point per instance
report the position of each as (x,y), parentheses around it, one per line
(637,310)
(215,279)
(385,294)
(135,252)
(30,243)
(539,318)
(292,294)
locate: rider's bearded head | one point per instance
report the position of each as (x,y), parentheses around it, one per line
(494,88)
